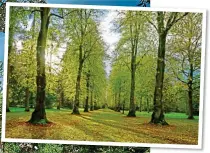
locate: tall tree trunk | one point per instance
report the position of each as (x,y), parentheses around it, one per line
(50,69)
(61,96)
(79,74)
(132,109)
(134,33)
(59,103)
(119,100)
(87,90)
(9,69)
(123,106)
(27,92)
(95,107)
(27,96)
(7,106)
(190,93)
(162,28)
(147,105)
(140,104)
(61,99)
(76,102)
(115,101)
(39,114)
(91,100)
(9,72)
(187,107)
(158,114)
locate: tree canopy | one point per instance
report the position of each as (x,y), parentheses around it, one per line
(60,58)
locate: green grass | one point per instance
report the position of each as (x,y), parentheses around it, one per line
(103,125)
(171,115)
(19,109)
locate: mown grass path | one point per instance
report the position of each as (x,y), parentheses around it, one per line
(103,125)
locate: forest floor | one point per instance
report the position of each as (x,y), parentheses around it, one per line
(103,125)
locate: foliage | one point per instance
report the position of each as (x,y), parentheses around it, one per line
(45,148)
(64,57)
(155,67)
(61,67)
(50,100)
(175,92)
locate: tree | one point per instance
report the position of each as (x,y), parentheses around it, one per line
(119,80)
(145,83)
(87,91)
(84,38)
(39,114)
(133,27)
(11,48)
(165,21)
(3,10)
(186,47)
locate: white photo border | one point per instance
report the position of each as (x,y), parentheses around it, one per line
(202,77)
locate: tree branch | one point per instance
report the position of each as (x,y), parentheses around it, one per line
(173,19)
(56,15)
(148,20)
(186,74)
(35,11)
(181,80)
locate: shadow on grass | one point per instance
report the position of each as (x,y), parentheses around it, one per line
(91,132)
(147,130)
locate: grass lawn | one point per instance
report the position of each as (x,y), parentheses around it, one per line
(103,125)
